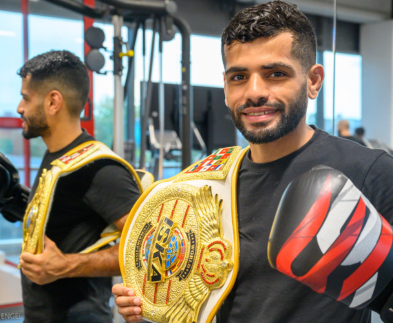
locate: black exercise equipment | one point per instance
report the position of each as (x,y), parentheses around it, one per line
(13,195)
(138,11)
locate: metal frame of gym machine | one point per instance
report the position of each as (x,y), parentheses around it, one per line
(139,11)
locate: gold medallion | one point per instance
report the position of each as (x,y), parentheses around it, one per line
(175,254)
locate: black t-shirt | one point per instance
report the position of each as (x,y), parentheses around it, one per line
(262,294)
(85,202)
(355,139)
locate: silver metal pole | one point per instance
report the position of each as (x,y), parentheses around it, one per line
(118,100)
(334,64)
(161,108)
(143,91)
(148,99)
(118,104)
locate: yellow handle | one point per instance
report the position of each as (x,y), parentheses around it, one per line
(129,53)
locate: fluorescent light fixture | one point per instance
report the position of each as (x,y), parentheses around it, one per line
(7,33)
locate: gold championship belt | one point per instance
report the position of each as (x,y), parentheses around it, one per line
(179,248)
(38,210)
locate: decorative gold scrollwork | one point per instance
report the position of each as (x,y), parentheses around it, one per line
(176,254)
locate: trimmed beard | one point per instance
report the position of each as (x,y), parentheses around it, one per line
(36,126)
(288,122)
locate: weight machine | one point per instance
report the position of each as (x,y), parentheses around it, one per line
(164,20)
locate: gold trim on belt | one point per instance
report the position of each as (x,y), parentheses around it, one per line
(176,254)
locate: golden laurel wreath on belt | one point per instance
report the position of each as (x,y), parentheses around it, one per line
(175,254)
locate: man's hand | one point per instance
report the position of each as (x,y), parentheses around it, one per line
(129,305)
(52,264)
(46,267)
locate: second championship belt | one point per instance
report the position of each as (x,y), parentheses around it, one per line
(38,211)
(179,249)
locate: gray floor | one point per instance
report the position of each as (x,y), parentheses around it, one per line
(15,315)
(11,321)
(11,315)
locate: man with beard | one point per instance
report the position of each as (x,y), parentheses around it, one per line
(60,284)
(269,56)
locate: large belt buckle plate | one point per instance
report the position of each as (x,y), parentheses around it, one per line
(35,216)
(175,254)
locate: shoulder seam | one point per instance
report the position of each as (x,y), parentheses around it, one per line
(371,166)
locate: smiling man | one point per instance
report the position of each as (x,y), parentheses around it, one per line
(267,89)
(269,55)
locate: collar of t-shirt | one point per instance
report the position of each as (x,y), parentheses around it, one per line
(263,167)
(83,137)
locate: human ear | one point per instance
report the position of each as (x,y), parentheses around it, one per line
(225,88)
(315,77)
(54,102)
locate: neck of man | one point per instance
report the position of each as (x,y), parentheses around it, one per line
(62,134)
(265,153)
(345,133)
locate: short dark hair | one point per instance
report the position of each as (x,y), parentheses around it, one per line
(360,131)
(62,71)
(270,19)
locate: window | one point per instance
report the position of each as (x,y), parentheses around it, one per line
(311,112)
(207,67)
(206,63)
(348,97)
(47,33)
(10,139)
(41,39)
(12,59)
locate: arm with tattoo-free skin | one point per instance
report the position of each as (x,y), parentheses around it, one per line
(129,305)
(52,264)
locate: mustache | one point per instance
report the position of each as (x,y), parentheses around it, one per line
(261,102)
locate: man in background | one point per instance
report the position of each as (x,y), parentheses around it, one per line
(343,132)
(61,285)
(360,133)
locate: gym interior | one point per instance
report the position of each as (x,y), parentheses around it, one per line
(156,76)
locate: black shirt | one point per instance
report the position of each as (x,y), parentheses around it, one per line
(355,139)
(262,294)
(85,202)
